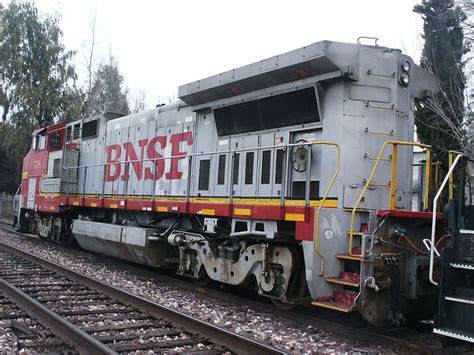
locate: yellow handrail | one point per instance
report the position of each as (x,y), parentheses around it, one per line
(437,165)
(393,182)
(451,154)
(429,166)
(326,193)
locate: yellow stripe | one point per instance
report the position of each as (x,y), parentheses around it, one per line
(263,201)
(51,194)
(24,175)
(256,201)
(208,212)
(162,209)
(51,208)
(242,211)
(298,217)
(113,205)
(75,203)
(170,199)
(211,200)
(93,204)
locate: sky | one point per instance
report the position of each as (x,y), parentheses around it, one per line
(160,45)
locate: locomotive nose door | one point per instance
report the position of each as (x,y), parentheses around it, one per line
(30,202)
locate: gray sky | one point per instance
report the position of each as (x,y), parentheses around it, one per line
(162,44)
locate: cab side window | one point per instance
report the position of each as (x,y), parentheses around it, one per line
(54,140)
(39,141)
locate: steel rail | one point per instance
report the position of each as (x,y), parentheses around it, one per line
(232,341)
(82,341)
(302,317)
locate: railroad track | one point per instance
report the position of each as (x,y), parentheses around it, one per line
(25,333)
(97,318)
(323,320)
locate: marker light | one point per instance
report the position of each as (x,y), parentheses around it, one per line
(404,79)
(405,65)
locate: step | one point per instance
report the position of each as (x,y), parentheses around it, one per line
(347,297)
(348,257)
(342,301)
(459,299)
(356,255)
(464,266)
(454,333)
(337,306)
(345,278)
(364,228)
(365,210)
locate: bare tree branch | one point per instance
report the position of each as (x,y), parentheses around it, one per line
(450,121)
(90,61)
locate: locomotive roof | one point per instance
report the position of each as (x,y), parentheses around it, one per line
(316,59)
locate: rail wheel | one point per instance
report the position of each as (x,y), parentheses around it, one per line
(203,279)
(376,308)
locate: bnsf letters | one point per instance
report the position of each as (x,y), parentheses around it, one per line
(148,149)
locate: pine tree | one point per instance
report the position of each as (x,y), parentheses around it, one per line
(440,122)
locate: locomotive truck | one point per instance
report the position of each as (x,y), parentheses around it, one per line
(291,176)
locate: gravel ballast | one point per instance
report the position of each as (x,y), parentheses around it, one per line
(279,332)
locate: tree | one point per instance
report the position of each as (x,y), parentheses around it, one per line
(108,93)
(37,75)
(468,25)
(9,174)
(138,101)
(37,83)
(441,120)
(89,62)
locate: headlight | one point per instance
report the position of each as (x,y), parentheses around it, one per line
(404,79)
(405,66)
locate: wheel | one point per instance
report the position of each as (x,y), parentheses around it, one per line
(203,280)
(376,309)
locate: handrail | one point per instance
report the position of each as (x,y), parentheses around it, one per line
(326,193)
(189,157)
(281,146)
(451,153)
(393,182)
(433,222)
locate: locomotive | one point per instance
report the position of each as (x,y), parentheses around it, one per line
(291,176)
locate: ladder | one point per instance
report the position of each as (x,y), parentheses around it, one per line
(456,285)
